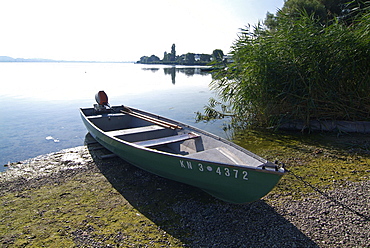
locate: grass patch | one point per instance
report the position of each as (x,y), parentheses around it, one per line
(85,211)
(324,160)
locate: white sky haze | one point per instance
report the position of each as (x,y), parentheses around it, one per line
(120,30)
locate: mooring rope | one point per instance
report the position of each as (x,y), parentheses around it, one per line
(328,196)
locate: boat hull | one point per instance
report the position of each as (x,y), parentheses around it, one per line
(230,183)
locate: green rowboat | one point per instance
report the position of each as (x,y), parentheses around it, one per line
(182,153)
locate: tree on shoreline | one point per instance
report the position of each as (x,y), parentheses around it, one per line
(173,53)
(218,55)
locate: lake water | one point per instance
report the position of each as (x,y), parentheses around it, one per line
(39,102)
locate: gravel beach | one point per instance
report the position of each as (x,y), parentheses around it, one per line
(128,207)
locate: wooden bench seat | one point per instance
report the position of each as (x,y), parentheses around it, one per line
(134,130)
(105,115)
(167,140)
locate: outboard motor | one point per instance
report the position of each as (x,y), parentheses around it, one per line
(102,100)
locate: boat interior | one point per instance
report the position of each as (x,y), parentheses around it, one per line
(163,135)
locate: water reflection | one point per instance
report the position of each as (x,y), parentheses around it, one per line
(150,69)
(188,71)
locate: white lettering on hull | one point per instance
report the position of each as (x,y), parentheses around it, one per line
(221,171)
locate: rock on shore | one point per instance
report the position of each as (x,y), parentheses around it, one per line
(45,165)
(73,198)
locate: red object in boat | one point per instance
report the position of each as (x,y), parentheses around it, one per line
(101,98)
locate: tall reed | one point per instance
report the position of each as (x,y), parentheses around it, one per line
(300,71)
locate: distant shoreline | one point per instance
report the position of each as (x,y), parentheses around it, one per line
(6,59)
(37,60)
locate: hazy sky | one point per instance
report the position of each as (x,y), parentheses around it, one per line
(121,30)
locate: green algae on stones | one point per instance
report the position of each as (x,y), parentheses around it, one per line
(321,159)
(84,211)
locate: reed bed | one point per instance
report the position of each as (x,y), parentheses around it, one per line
(302,70)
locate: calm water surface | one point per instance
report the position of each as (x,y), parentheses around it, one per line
(40,102)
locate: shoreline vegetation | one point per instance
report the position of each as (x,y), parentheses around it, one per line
(307,63)
(75,198)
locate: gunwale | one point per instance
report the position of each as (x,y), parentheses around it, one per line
(197,130)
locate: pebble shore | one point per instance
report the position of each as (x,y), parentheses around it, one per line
(187,217)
